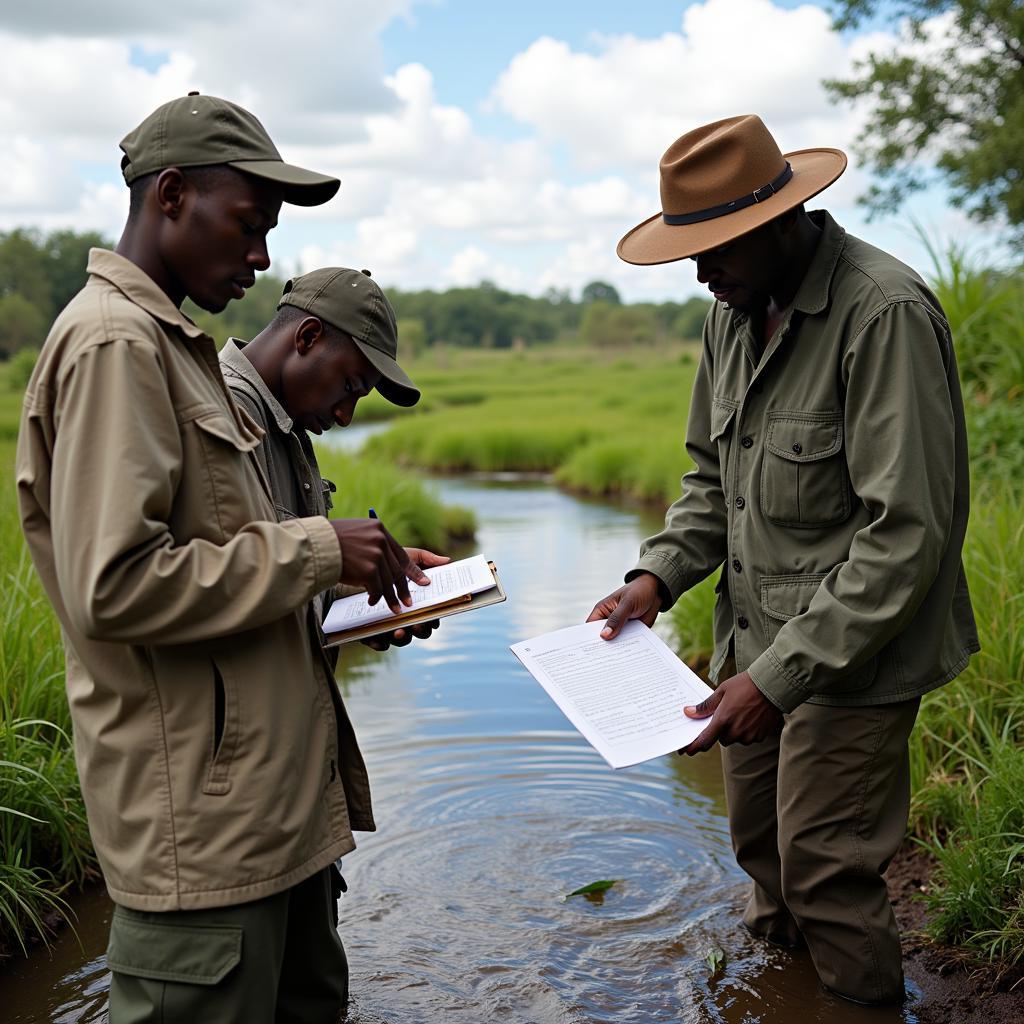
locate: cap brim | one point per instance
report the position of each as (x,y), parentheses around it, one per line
(394,384)
(654,241)
(301,187)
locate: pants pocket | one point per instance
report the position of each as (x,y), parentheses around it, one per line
(142,947)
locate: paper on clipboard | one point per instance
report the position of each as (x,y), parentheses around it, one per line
(450,598)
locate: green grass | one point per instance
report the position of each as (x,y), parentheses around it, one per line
(413,513)
(601,425)
(43,835)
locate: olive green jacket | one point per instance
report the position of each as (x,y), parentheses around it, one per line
(831,483)
(205,732)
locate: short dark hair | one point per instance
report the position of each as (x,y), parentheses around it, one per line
(202,178)
(290,316)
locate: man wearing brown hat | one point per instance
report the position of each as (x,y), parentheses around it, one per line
(219,777)
(830,486)
(333,340)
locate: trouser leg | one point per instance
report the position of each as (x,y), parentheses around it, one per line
(314,974)
(182,967)
(844,797)
(751,787)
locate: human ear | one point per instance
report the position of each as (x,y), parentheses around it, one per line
(170,190)
(307,334)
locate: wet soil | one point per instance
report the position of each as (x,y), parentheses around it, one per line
(954,988)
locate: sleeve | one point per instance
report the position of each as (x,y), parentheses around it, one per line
(899,430)
(117,463)
(693,543)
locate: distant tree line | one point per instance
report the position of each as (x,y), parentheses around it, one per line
(40,273)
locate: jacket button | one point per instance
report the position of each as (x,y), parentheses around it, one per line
(742,622)
(798,448)
(747,441)
(737,565)
(740,502)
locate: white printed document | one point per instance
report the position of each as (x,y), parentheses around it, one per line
(447,583)
(626,696)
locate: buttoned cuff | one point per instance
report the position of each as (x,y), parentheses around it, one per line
(771,678)
(666,568)
(326,551)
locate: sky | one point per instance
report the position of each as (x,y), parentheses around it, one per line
(509,142)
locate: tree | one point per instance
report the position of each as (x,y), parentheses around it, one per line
(22,324)
(23,270)
(601,291)
(67,254)
(689,321)
(412,337)
(608,326)
(954,99)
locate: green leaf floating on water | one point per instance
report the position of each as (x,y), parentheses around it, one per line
(716,960)
(586,890)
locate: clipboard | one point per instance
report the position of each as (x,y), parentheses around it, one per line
(495,595)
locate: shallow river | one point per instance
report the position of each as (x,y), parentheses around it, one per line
(490,808)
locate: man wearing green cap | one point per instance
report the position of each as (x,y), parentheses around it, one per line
(333,340)
(219,771)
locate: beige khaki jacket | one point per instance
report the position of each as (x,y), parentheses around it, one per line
(205,732)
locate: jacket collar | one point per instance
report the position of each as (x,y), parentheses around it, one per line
(234,358)
(141,289)
(813,294)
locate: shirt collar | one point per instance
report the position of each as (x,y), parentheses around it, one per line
(234,358)
(141,289)
(813,294)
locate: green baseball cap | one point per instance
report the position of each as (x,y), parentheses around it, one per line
(196,131)
(353,302)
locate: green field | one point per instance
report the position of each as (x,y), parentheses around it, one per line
(603,425)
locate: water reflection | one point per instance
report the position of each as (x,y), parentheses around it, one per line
(491,808)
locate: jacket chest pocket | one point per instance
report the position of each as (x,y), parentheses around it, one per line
(232,481)
(804,481)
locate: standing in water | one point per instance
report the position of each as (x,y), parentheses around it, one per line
(220,773)
(830,486)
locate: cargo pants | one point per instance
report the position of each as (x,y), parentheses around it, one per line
(279,959)
(816,814)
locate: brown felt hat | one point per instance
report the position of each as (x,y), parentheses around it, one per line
(195,131)
(354,303)
(719,182)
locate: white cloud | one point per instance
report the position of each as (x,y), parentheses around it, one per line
(624,105)
(428,197)
(472,264)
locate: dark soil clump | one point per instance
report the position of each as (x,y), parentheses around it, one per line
(954,988)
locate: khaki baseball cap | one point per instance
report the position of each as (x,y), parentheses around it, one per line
(195,131)
(353,302)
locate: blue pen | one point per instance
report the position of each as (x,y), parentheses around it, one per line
(373,513)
